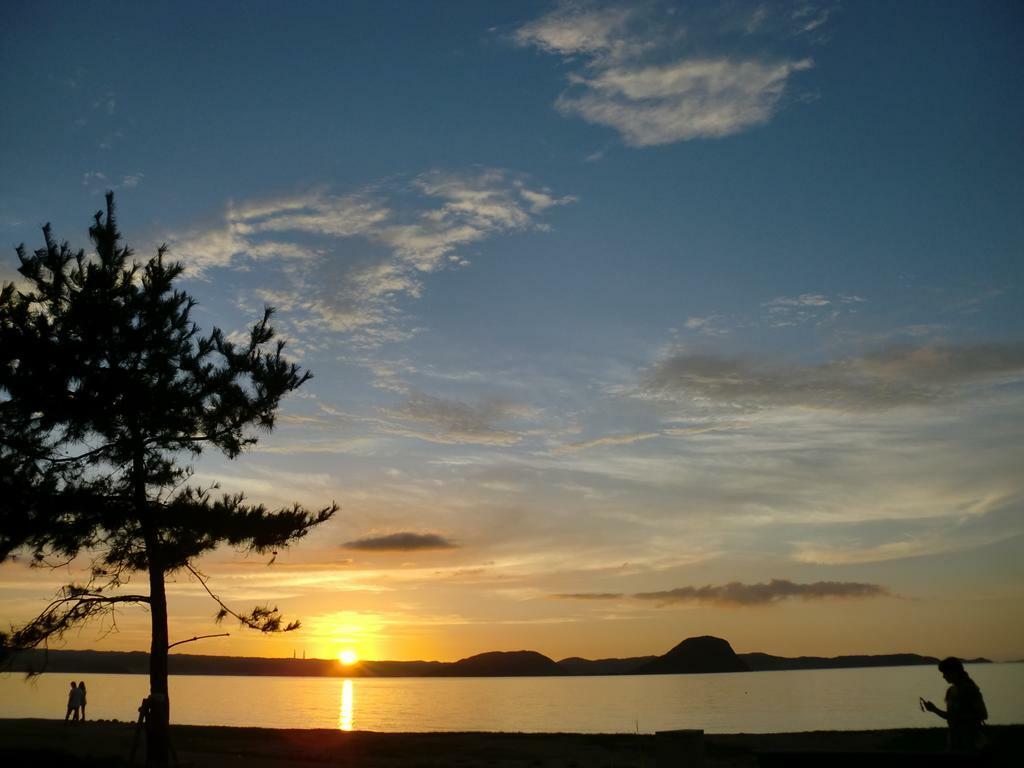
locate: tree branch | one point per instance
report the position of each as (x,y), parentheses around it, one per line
(260,618)
(74,605)
(72,459)
(198,637)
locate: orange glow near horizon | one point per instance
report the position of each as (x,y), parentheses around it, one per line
(348,657)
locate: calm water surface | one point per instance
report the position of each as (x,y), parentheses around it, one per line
(754,702)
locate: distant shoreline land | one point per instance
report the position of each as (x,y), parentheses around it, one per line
(695,655)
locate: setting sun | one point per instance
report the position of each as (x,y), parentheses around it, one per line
(348,657)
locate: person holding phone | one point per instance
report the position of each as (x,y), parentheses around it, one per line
(965,711)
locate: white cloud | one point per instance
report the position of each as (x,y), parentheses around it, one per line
(575,29)
(783,311)
(93,177)
(399,232)
(708,98)
(541,201)
(655,77)
(803,300)
(99,182)
(710,325)
(321,214)
(208,248)
(810,18)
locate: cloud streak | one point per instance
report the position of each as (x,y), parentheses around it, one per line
(890,378)
(658,77)
(736,593)
(441,420)
(608,440)
(596,596)
(404,541)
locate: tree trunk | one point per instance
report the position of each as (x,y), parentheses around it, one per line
(158,722)
(159,716)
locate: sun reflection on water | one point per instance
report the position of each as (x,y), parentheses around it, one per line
(347,706)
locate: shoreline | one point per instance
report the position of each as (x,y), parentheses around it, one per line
(108,743)
(488,664)
(356,675)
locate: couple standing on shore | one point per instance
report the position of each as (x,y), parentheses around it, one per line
(76,701)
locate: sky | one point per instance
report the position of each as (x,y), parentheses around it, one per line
(628,322)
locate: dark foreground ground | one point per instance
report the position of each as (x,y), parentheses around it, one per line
(38,743)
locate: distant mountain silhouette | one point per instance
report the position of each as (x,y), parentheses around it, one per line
(574,665)
(108,662)
(394,669)
(763,662)
(502,664)
(696,655)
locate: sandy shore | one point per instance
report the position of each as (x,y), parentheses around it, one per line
(41,742)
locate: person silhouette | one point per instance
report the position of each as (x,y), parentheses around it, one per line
(72,702)
(965,710)
(81,697)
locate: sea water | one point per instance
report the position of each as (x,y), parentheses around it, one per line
(752,702)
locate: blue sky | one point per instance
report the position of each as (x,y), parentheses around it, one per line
(604,302)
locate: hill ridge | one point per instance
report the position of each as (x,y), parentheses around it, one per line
(694,655)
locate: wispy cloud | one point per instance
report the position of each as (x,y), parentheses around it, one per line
(736,593)
(347,261)
(891,378)
(404,541)
(272,485)
(98,181)
(709,325)
(659,75)
(803,300)
(596,596)
(442,420)
(808,308)
(977,522)
(607,440)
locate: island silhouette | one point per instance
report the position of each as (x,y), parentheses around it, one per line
(694,655)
